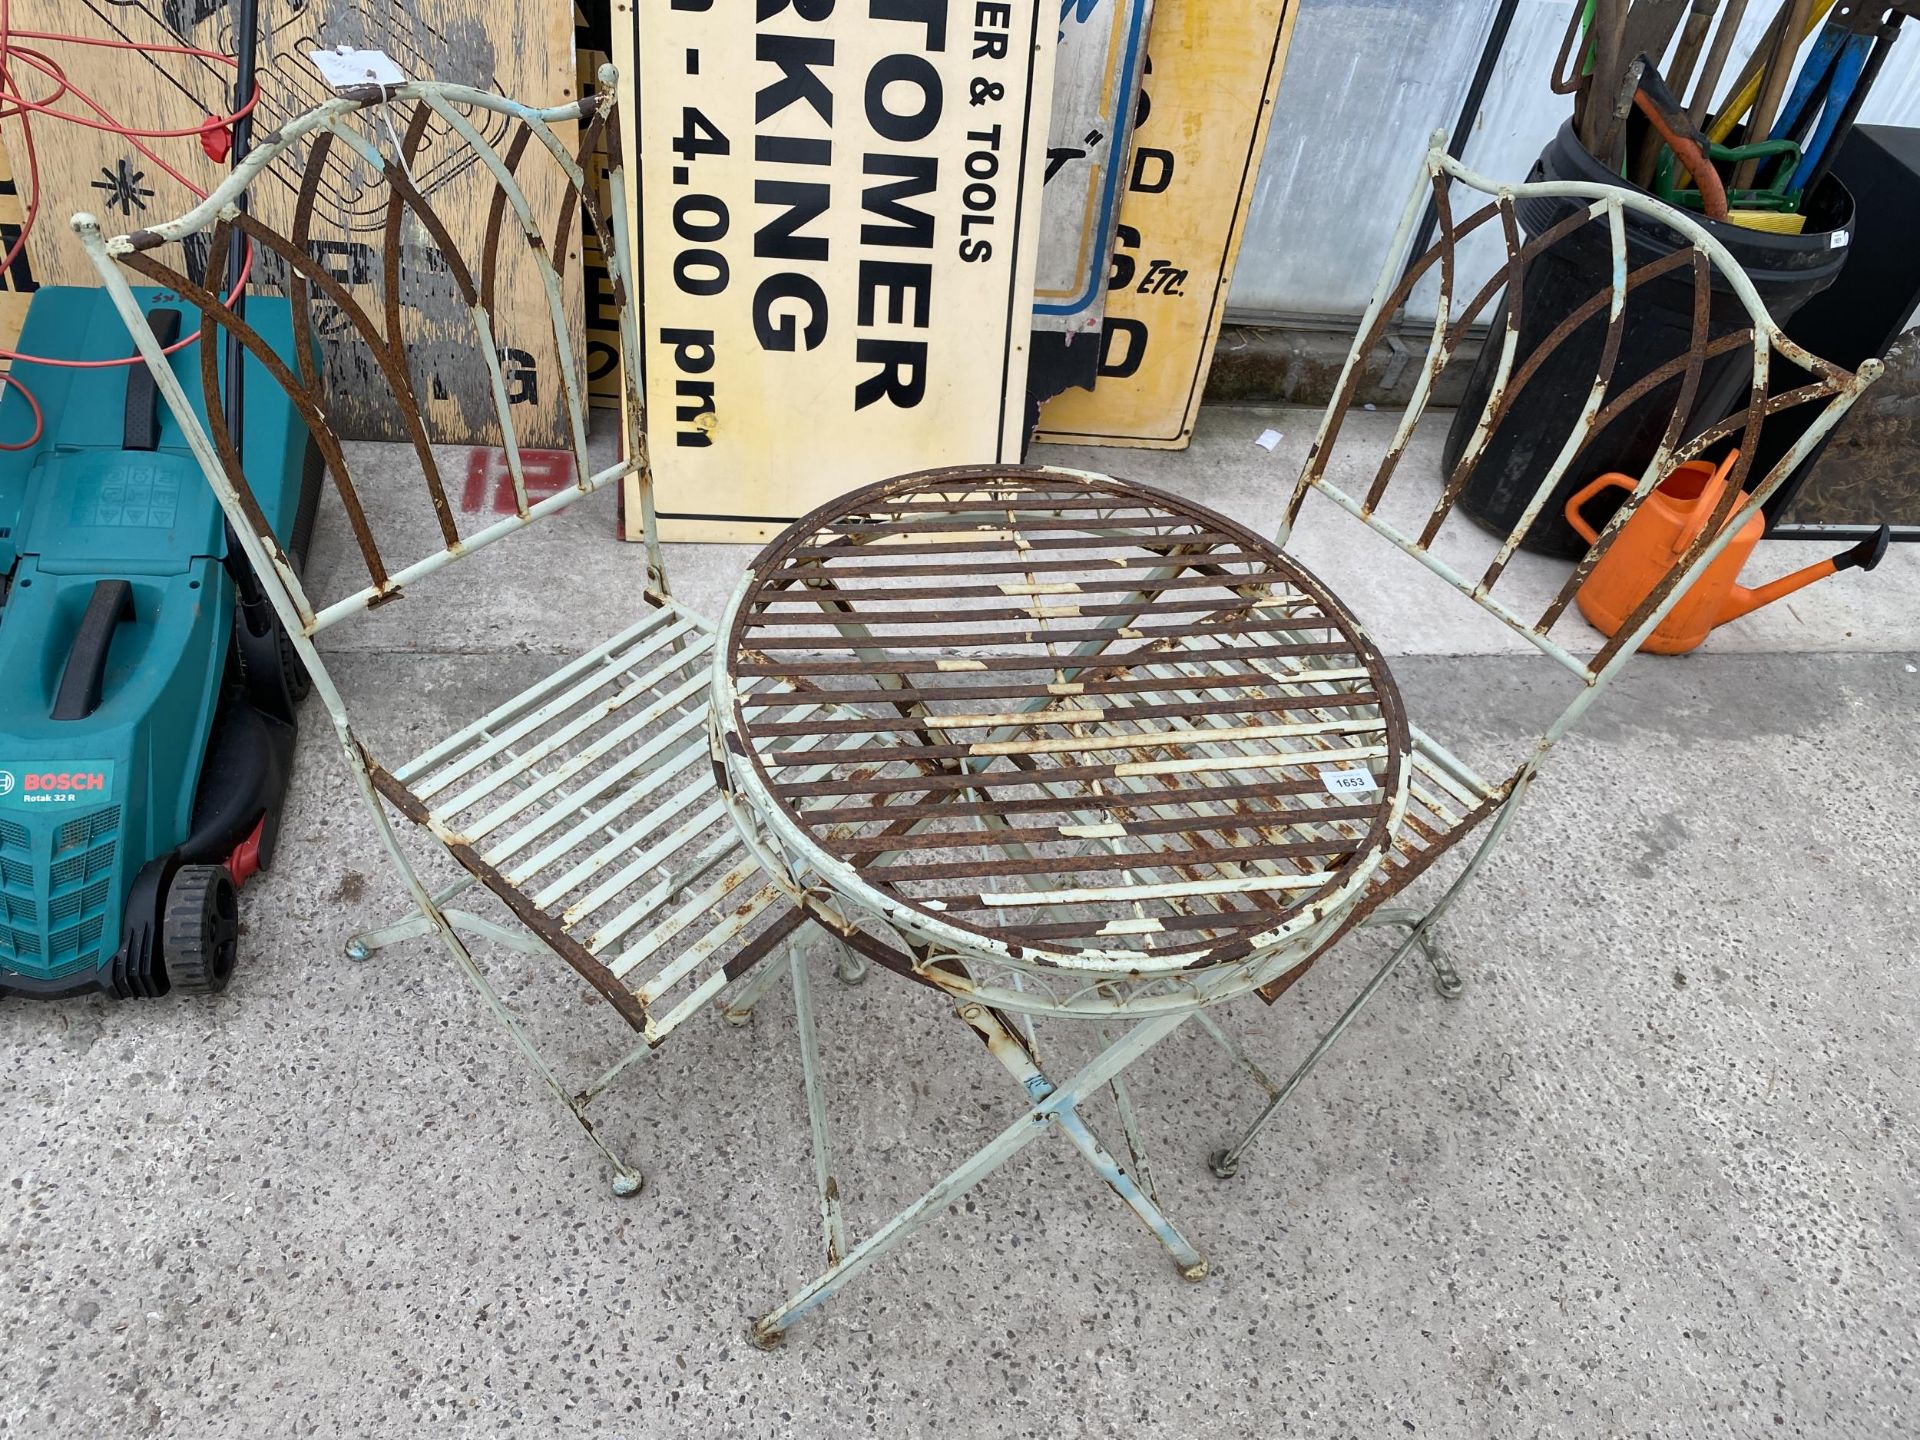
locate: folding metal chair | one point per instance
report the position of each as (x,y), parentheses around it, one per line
(1449,800)
(585,804)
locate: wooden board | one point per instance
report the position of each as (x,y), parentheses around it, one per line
(1101,55)
(1212,73)
(522,48)
(17,282)
(838,219)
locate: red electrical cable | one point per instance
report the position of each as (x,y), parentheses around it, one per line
(39,420)
(14,104)
(46,65)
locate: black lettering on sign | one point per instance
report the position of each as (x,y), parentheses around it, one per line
(598,294)
(692,355)
(774,323)
(521,374)
(903,104)
(792,150)
(991,23)
(1057,158)
(1119,367)
(810,10)
(698,136)
(1162,163)
(1164,278)
(596,284)
(695,5)
(909,228)
(901,376)
(700,270)
(1121,275)
(692,350)
(602,359)
(797,56)
(910,72)
(930,13)
(982,165)
(898,281)
(780,238)
(700,217)
(697,396)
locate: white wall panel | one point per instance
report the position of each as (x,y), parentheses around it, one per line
(1367,82)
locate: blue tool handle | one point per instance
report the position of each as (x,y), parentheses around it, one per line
(1846,75)
(80,683)
(1826,45)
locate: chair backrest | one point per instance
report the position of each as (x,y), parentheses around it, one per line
(1412,511)
(375,135)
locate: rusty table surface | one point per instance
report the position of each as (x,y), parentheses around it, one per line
(1057,721)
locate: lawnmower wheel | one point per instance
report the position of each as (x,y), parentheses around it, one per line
(200,929)
(299,683)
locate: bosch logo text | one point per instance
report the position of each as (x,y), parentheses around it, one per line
(63,780)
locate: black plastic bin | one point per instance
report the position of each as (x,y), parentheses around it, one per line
(1786,270)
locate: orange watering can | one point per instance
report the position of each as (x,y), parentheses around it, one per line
(1658,534)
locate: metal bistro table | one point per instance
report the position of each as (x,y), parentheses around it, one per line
(1056,745)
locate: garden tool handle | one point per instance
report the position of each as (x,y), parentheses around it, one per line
(1580,497)
(1670,122)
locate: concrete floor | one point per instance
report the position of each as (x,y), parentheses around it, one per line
(1653,1174)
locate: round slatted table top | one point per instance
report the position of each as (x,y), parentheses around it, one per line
(1058,719)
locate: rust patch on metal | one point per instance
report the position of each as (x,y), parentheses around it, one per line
(1225,680)
(631,1009)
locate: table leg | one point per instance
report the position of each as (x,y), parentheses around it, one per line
(1237,1053)
(1130,1128)
(1045,1109)
(1011,1053)
(831,1221)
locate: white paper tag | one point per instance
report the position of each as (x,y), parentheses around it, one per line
(1349,781)
(1837,240)
(1269,438)
(342,67)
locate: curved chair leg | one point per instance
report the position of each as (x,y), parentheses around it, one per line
(1226,1163)
(1419,927)
(626,1179)
(737,1008)
(1446,979)
(850,967)
(361,946)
